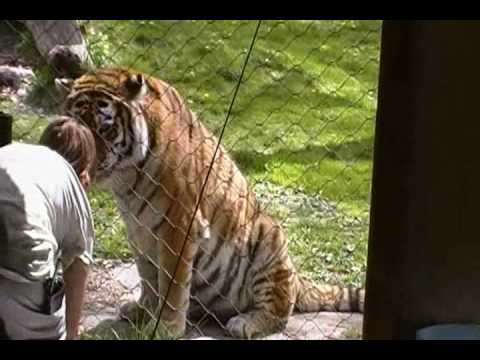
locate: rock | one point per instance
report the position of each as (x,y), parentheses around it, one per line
(15,78)
(62,44)
(122,281)
(311,326)
(69,61)
(127,276)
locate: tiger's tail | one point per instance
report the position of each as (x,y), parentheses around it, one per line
(313,297)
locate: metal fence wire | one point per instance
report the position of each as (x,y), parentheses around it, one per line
(299,125)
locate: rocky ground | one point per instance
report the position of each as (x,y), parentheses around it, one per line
(112,283)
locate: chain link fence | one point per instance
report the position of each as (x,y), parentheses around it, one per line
(300,130)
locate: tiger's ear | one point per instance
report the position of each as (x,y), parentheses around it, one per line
(63,86)
(135,87)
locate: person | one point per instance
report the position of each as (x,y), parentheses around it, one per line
(46,232)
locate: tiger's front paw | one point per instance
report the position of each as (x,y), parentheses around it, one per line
(167,330)
(135,313)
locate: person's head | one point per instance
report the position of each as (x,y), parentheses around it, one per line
(75,143)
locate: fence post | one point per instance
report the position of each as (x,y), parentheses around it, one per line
(5,129)
(423,256)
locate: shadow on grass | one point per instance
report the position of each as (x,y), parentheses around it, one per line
(252,161)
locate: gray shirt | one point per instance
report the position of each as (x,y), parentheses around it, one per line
(44,214)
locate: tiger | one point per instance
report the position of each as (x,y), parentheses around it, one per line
(220,254)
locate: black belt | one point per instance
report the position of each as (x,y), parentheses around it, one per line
(3,331)
(54,294)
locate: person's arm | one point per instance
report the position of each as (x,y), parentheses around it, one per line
(75,277)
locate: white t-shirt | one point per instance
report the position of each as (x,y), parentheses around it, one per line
(44,214)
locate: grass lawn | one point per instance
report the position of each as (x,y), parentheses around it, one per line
(301,129)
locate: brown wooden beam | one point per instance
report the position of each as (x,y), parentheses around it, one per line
(424,245)
(5,129)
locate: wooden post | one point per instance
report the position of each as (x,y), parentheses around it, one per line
(424,245)
(5,129)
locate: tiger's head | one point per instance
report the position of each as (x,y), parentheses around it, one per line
(111,103)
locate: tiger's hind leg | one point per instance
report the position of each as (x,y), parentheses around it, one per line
(272,285)
(273,304)
(255,323)
(273,301)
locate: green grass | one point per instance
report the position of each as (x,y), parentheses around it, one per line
(121,330)
(352,334)
(109,228)
(27,125)
(303,118)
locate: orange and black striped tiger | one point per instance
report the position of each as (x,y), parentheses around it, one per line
(154,155)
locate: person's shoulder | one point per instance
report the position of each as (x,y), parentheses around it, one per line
(19,147)
(18,150)
(27,148)
(34,153)
(39,150)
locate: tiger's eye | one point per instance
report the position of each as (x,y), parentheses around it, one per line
(102,103)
